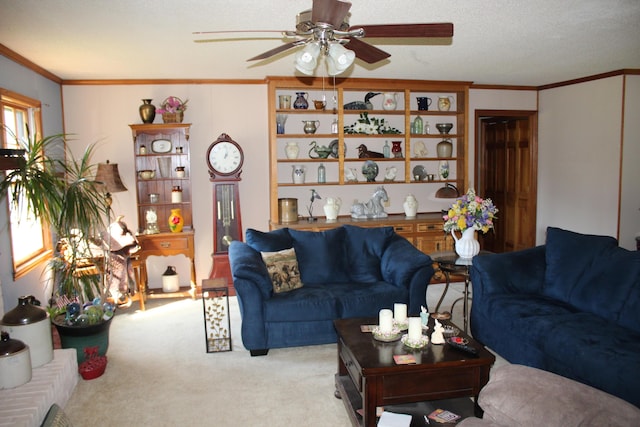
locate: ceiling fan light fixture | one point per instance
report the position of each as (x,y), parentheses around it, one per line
(307,59)
(339,58)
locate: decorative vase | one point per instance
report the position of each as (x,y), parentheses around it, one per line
(466,246)
(292,150)
(301,101)
(147,111)
(332,208)
(410,206)
(396,149)
(389,101)
(443,169)
(176,221)
(298,174)
(444,148)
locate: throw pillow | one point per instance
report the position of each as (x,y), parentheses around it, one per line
(271,241)
(283,270)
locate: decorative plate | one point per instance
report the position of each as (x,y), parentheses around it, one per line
(423,341)
(333,145)
(370,170)
(393,335)
(161,146)
(419,173)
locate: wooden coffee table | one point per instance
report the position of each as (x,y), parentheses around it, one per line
(368,377)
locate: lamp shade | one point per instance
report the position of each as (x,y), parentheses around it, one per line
(108,177)
(307,59)
(339,59)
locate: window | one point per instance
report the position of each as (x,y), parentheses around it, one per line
(30,238)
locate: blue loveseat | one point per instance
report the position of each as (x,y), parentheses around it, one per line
(346,272)
(570,306)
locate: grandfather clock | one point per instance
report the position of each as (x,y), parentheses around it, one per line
(225,159)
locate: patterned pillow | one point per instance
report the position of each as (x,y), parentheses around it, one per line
(283,270)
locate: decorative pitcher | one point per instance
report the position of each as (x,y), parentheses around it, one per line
(298,173)
(466,246)
(301,101)
(444,102)
(423,103)
(389,100)
(176,221)
(310,126)
(332,208)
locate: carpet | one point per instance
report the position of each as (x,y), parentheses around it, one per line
(159,374)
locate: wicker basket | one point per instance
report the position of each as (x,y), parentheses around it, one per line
(173,117)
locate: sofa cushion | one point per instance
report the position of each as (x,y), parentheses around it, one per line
(570,257)
(364,248)
(321,255)
(312,302)
(585,270)
(283,270)
(271,241)
(366,299)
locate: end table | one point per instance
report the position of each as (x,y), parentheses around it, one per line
(450,263)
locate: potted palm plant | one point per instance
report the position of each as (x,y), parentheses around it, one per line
(62,192)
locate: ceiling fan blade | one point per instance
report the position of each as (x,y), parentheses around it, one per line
(330,12)
(277,50)
(368,53)
(444,29)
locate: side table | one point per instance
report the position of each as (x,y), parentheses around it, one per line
(450,263)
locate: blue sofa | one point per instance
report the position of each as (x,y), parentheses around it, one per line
(346,272)
(570,306)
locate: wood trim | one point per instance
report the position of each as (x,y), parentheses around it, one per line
(615,73)
(19,59)
(107,82)
(502,87)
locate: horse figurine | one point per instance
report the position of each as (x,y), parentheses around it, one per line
(373,208)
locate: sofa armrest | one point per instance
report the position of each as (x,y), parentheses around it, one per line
(402,264)
(510,272)
(253,285)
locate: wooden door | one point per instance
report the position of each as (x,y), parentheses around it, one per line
(506,172)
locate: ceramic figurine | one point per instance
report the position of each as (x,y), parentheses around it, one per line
(437,337)
(350,175)
(419,149)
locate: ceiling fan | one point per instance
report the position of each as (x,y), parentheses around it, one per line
(325,29)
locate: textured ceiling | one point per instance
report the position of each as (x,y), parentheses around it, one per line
(516,42)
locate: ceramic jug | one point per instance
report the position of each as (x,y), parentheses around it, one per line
(332,208)
(389,100)
(298,173)
(445,102)
(466,246)
(310,126)
(423,103)
(301,101)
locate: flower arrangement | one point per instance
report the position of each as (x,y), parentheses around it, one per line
(370,126)
(172,104)
(470,211)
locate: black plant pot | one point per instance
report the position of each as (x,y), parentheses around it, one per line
(81,337)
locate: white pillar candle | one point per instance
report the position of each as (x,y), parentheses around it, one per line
(385,322)
(415,329)
(400,312)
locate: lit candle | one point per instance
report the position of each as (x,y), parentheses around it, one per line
(400,312)
(415,329)
(385,320)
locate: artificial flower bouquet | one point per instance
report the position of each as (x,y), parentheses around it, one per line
(470,211)
(370,126)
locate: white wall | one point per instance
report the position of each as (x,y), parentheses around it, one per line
(630,188)
(103,113)
(579,134)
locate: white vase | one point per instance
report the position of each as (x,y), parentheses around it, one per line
(410,206)
(292,150)
(332,208)
(466,246)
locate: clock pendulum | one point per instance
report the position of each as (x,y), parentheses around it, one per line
(224,159)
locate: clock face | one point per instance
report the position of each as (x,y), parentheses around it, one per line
(225,158)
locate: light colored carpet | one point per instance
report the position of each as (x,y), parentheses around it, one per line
(159,374)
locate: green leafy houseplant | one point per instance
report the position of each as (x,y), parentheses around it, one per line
(62,193)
